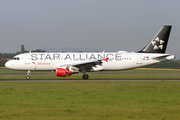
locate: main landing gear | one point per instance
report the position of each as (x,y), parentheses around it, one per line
(85,76)
(28,75)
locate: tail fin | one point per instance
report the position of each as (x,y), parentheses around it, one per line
(159,43)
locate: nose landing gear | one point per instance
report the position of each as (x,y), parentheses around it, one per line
(28,75)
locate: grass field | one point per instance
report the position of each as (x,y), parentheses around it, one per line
(90,100)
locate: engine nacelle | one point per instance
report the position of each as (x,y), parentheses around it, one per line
(63,71)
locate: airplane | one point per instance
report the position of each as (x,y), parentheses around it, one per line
(66,64)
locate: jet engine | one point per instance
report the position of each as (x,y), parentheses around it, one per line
(63,71)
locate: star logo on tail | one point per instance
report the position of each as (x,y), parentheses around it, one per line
(157,43)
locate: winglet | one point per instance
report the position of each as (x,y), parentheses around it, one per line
(106,59)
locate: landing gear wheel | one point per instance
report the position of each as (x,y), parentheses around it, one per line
(85,76)
(28,77)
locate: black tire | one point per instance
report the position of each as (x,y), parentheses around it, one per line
(28,78)
(85,76)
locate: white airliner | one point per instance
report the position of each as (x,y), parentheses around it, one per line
(66,64)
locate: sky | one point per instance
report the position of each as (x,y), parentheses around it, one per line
(110,25)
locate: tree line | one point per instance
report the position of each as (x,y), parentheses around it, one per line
(174,64)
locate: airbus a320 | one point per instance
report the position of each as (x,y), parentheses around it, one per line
(66,64)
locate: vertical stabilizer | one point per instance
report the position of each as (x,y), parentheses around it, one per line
(159,43)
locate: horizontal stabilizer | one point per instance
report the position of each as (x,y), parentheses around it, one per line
(164,57)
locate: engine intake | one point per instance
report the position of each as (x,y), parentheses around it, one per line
(63,71)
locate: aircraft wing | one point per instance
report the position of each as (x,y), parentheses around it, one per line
(86,65)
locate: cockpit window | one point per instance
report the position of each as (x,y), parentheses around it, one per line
(15,58)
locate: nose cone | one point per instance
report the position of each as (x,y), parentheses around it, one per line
(8,64)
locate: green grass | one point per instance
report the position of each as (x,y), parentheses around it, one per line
(90,101)
(127,74)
